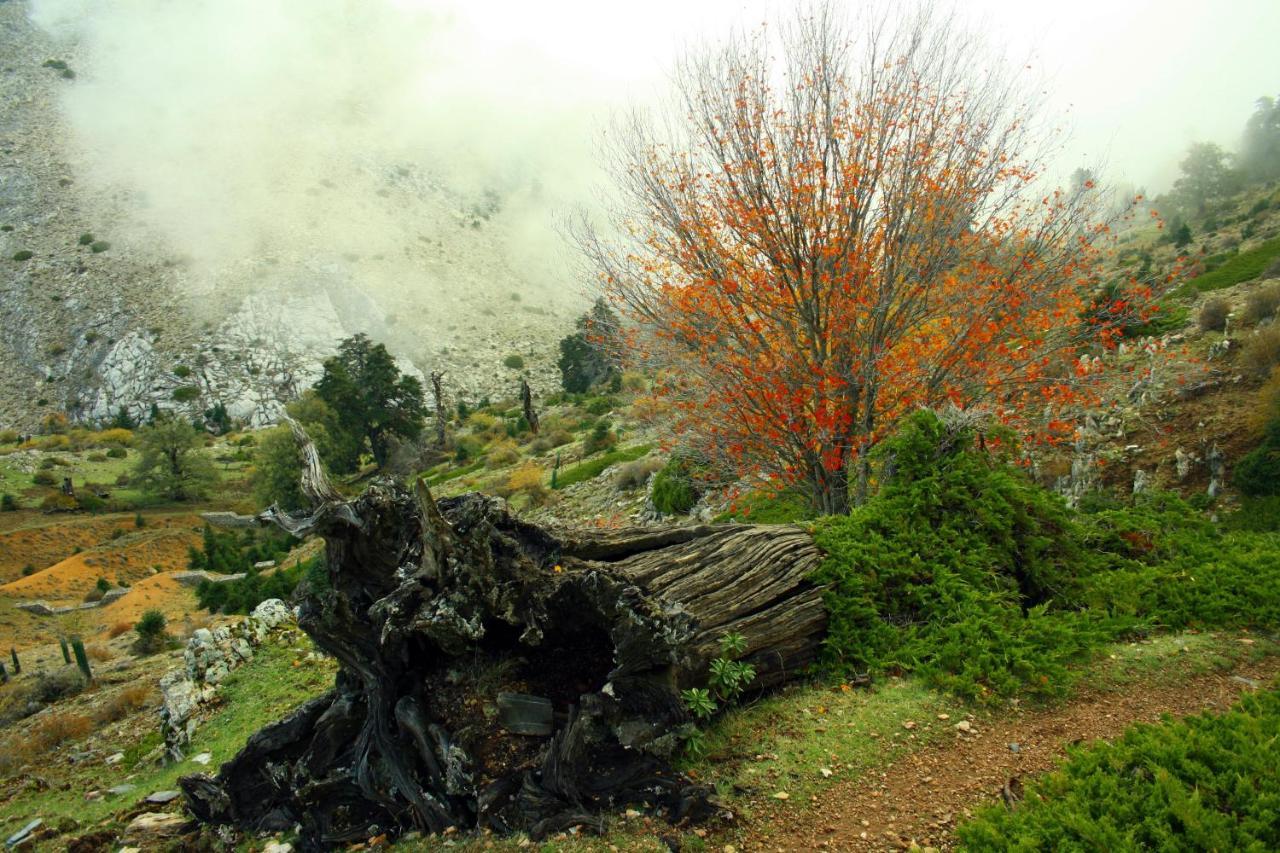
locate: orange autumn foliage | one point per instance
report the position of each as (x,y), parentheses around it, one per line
(835,243)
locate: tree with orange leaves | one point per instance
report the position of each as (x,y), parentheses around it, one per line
(818,246)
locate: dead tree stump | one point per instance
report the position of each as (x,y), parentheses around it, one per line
(434,610)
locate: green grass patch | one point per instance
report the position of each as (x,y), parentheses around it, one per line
(785,741)
(454,473)
(785,507)
(1243,266)
(260,692)
(1208,782)
(593,468)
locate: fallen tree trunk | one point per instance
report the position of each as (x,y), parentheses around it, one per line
(457,626)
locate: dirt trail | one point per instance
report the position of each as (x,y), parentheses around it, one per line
(921,797)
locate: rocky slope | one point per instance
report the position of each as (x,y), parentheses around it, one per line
(101,310)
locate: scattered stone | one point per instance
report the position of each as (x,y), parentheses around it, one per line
(826,772)
(909,725)
(1013,747)
(202,758)
(115,758)
(1248,682)
(23,834)
(93,796)
(162,797)
(120,789)
(782,795)
(964,727)
(149,828)
(944,717)
(278,847)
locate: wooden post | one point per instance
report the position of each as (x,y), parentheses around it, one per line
(66,652)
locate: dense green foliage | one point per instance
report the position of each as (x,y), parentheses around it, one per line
(1241,267)
(1208,782)
(674,489)
(241,596)
(1257,473)
(371,399)
(150,631)
(228,553)
(965,571)
(584,355)
(172,464)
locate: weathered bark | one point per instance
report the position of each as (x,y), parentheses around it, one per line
(526,402)
(434,609)
(437,388)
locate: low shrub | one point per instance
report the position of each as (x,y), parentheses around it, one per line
(151,632)
(674,491)
(601,437)
(8,503)
(528,480)
(1206,782)
(1262,303)
(1214,314)
(965,571)
(116,436)
(1261,351)
(56,685)
(502,454)
(44,478)
(514,362)
(1257,474)
(119,628)
(633,475)
(98,652)
(117,453)
(122,703)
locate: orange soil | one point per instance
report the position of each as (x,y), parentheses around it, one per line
(130,559)
(161,593)
(44,542)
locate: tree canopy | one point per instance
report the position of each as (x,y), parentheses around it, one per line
(171,463)
(815,250)
(371,400)
(585,357)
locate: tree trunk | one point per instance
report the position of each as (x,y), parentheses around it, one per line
(437,388)
(526,402)
(438,613)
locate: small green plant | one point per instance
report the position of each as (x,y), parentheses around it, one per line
(185,393)
(66,652)
(727,678)
(151,631)
(514,361)
(86,239)
(17,665)
(23,255)
(8,503)
(139,521)
(98,246)
(116,453)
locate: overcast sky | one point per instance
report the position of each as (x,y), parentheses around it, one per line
(1136,80)
(221,117)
